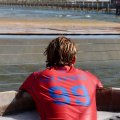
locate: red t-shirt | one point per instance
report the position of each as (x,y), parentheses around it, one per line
(63,93)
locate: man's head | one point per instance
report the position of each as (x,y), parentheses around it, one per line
(60,52)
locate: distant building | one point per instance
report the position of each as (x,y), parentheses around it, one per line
(116,1)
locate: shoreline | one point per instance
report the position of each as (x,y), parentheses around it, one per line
(57,26)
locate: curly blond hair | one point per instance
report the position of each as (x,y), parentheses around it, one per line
(60,52)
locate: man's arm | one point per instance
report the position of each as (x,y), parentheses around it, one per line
(20,94)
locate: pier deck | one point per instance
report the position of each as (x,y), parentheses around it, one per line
(116,3)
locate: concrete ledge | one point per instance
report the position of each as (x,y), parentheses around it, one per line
(12,102)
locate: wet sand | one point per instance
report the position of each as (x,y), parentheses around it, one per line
(57,26)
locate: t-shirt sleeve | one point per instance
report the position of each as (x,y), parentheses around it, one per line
(27,84)
(99,84)
(96,80)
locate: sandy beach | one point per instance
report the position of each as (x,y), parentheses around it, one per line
(58,26)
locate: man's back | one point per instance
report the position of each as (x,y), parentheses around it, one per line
(62,92)
(65,93)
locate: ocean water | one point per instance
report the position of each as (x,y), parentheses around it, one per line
(40,13)
(20,55)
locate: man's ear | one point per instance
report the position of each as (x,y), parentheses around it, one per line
(74,60)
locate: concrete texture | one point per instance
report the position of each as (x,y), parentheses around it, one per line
(32,115)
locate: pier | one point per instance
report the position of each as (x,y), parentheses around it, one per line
(96,5)
(116,4)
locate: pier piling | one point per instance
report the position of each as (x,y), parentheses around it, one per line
(67,4)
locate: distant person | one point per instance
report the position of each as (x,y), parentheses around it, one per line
(61,91)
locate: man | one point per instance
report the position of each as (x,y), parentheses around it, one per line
(61,91)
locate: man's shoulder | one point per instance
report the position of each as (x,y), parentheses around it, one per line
(81,71)
(41,72)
